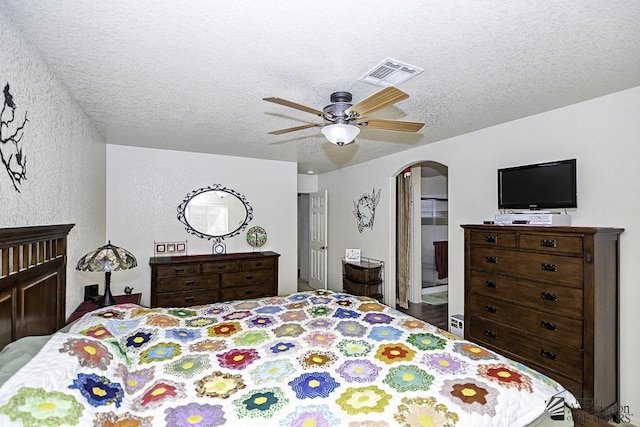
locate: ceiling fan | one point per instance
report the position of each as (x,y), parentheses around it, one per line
(342,120)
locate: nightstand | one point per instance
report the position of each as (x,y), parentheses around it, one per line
(88,306)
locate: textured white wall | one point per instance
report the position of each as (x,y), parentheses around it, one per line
(65,159)
(145,186)
(603,134)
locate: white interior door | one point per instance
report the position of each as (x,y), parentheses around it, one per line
(318,240)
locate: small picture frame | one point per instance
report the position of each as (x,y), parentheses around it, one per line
(176,248)
(352,255)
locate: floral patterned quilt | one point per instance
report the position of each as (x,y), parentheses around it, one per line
(307,359)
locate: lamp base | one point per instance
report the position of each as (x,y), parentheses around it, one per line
(107,299)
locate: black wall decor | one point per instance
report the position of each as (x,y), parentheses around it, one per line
(365,209)
(11,132)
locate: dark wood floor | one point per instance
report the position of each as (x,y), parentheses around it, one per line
(435,314)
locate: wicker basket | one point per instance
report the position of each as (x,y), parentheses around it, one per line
(371,290)
(363,272)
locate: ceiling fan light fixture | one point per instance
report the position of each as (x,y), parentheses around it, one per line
(340,133)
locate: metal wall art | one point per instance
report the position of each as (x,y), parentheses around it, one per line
(11,132)
(365,209)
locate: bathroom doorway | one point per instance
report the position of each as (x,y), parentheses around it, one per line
(426,240)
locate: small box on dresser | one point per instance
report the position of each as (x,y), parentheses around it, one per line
(183,281)
(548,297)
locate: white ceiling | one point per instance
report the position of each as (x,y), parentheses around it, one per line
(191,74)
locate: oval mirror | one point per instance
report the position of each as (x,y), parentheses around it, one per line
(215,212)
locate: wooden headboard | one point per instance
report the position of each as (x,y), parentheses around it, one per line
(33,264)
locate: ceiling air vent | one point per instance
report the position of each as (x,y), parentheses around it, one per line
(390,73)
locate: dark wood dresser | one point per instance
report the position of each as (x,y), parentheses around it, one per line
(548,297)
(183,281)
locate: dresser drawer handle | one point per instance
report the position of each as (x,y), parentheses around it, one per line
(249,276)
(189,299)
(491,259)
(491,239)
(221,267)
(549,267)
(491,284)
(491,334)
(189,283)
(490,309)
(548,354)
(549,296)
(548,243)
(258,264)
(179,270)
(249,292)
(548,325)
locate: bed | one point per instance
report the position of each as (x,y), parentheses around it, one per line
(32,280)
(317,358)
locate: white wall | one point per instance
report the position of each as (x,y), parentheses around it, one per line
(304,231)
(307,184)
(434,186)
(603,134)
(65,159)
(145,187)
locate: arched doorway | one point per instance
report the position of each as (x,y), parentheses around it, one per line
(422,247)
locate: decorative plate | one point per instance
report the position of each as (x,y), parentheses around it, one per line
(256,236)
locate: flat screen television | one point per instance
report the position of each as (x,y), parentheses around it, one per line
(538,186)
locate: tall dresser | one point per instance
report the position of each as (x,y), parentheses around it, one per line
(203,279)
(548,297)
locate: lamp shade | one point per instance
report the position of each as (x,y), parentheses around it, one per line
(107,258)
(340,133)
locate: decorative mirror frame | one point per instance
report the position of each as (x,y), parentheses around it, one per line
(216,187)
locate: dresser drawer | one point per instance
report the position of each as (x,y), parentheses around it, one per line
(574,386)
(258,264)
(175,270)
(552,243)
(187,299)
(221,267)
(243,292)
(258,277)
(551,268)
(561,299)
(554,357)
(493,238)
(546,326)
(186,283)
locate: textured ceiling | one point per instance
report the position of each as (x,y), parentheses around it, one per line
(191,74)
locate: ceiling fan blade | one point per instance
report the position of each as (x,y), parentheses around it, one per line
(293,129)
(294,105)
(384,124)
(387,96)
